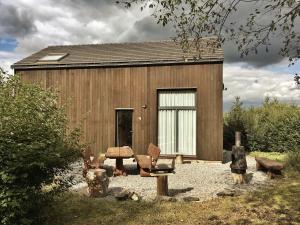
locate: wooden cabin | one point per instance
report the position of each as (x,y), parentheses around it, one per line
(132,94)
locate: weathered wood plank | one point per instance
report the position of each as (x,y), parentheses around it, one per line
(101,90)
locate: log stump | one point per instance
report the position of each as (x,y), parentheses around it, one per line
(97,181)
(179,159)
(162,185)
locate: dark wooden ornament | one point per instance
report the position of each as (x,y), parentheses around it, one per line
(238,157)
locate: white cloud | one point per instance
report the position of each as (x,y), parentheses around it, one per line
(50,22)
(6,59)
(253,85)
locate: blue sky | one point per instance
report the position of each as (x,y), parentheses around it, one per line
(26,26)
(8,44)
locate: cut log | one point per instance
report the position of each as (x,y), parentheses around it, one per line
(269,164)
(162,185)
(97,181)
(272,167)
(239,164)
(238,157)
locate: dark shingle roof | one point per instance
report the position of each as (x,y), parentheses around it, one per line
(118,54)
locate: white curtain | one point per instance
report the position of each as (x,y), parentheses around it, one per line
(177,99)
(182,119)
(187,132)
(167,131)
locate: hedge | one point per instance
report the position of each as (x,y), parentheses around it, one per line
(274,126)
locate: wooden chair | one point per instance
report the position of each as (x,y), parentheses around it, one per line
(90,161)
(148,163)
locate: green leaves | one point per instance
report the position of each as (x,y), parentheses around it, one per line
(252,29)
(274,126)
(36,145)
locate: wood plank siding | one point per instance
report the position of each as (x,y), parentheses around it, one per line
(93,94)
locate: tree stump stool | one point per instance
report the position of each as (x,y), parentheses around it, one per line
(97,181)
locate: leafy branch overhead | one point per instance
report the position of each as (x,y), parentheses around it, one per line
(250,24)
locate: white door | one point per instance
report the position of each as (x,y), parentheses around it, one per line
(177,122)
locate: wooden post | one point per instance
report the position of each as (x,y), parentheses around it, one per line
(237,138)
(120,170)
(162,185)
(179,159)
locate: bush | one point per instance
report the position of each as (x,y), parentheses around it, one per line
(36,146)
(274,126)
(293,161)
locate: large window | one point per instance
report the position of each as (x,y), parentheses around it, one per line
(177,122)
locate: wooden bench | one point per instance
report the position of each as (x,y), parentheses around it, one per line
(272,167)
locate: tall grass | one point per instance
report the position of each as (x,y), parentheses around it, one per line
(293,161)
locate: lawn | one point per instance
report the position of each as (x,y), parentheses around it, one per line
(271,155)
(275,204)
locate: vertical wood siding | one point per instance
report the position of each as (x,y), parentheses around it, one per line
(93,94)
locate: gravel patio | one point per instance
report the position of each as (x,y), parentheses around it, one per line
(195,178)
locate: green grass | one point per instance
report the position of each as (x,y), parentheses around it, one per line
(270,155)
(277,204)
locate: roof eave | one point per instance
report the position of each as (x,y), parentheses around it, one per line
(117,64)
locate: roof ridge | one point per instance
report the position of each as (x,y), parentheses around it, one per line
(112,43)
(128,42)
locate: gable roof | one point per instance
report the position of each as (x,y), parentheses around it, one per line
(123,54)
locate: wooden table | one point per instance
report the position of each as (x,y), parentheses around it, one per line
(119,153)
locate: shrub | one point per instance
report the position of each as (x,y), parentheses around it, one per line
(293,161)
(36,146)
(274,126)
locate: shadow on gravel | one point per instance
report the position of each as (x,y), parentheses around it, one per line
(131,170)
(174,192)
(249,177)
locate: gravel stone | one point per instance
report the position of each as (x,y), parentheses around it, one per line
(199,179)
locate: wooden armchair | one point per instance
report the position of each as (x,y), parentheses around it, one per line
(148,163)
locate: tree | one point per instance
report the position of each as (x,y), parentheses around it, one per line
(234,121)
(274,126)
(36,147)
(251,24)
